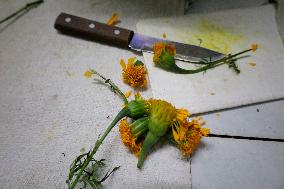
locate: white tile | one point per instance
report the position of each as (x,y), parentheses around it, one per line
(262,120)
(230,163)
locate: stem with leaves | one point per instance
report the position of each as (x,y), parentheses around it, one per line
(113,87)
(79,172)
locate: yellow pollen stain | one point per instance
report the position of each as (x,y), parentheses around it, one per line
(216,37)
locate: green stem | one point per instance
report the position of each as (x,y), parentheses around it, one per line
(140,126)
(209,65)
(26,7)
(149,141)
(119,116)
(112,85)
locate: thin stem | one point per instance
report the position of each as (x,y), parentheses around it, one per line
(210,65)
(26,7)
(119,116)
(112,85)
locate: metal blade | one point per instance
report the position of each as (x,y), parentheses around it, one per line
(185,52)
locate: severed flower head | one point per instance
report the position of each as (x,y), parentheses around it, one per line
(188,135)
(164,55)
(134,73)
(132,134)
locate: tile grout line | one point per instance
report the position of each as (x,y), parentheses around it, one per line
(246,138)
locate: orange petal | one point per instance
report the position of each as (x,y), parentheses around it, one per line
(254,47)
(122,63)
(88,74)
(113,20)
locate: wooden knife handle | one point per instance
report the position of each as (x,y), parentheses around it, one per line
(89,29)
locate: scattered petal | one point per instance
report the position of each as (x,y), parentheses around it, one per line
(88,74)
(252,64)
(113,20)
(254,47)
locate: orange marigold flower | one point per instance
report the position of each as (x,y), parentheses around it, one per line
(254,47)
(128,139)
(134,74)
(113,20)
(182,115)
(88,74)
(160,47)
(188,135)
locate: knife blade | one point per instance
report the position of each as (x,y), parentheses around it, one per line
(124,38)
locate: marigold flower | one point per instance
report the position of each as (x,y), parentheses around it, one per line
(254,47)
(130,134)
(113,20)
(188,135)
(128,138)
(182,115)
(134,74)
(159,48)
(88,74)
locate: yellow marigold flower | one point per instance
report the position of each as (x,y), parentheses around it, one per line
(204,131)
(182,115)
(128,94)
(161,47)
(254,47)
(113,20)
(134,74)
(190,144)
(88,74)
(188,135)
(128,139)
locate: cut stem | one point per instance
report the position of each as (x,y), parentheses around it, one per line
(112,85)
(149,141)
(25,8)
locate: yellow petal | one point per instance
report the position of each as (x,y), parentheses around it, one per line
(205,131)
(122,64)
(131,60)
(252,64)
(254,47)
(88,74)
(128,94)
(113,20)
(175,135)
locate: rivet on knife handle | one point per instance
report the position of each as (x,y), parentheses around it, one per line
(89,29)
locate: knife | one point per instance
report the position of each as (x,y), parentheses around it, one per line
(124,38)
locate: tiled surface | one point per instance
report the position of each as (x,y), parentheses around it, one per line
(49,111)
(227,163)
